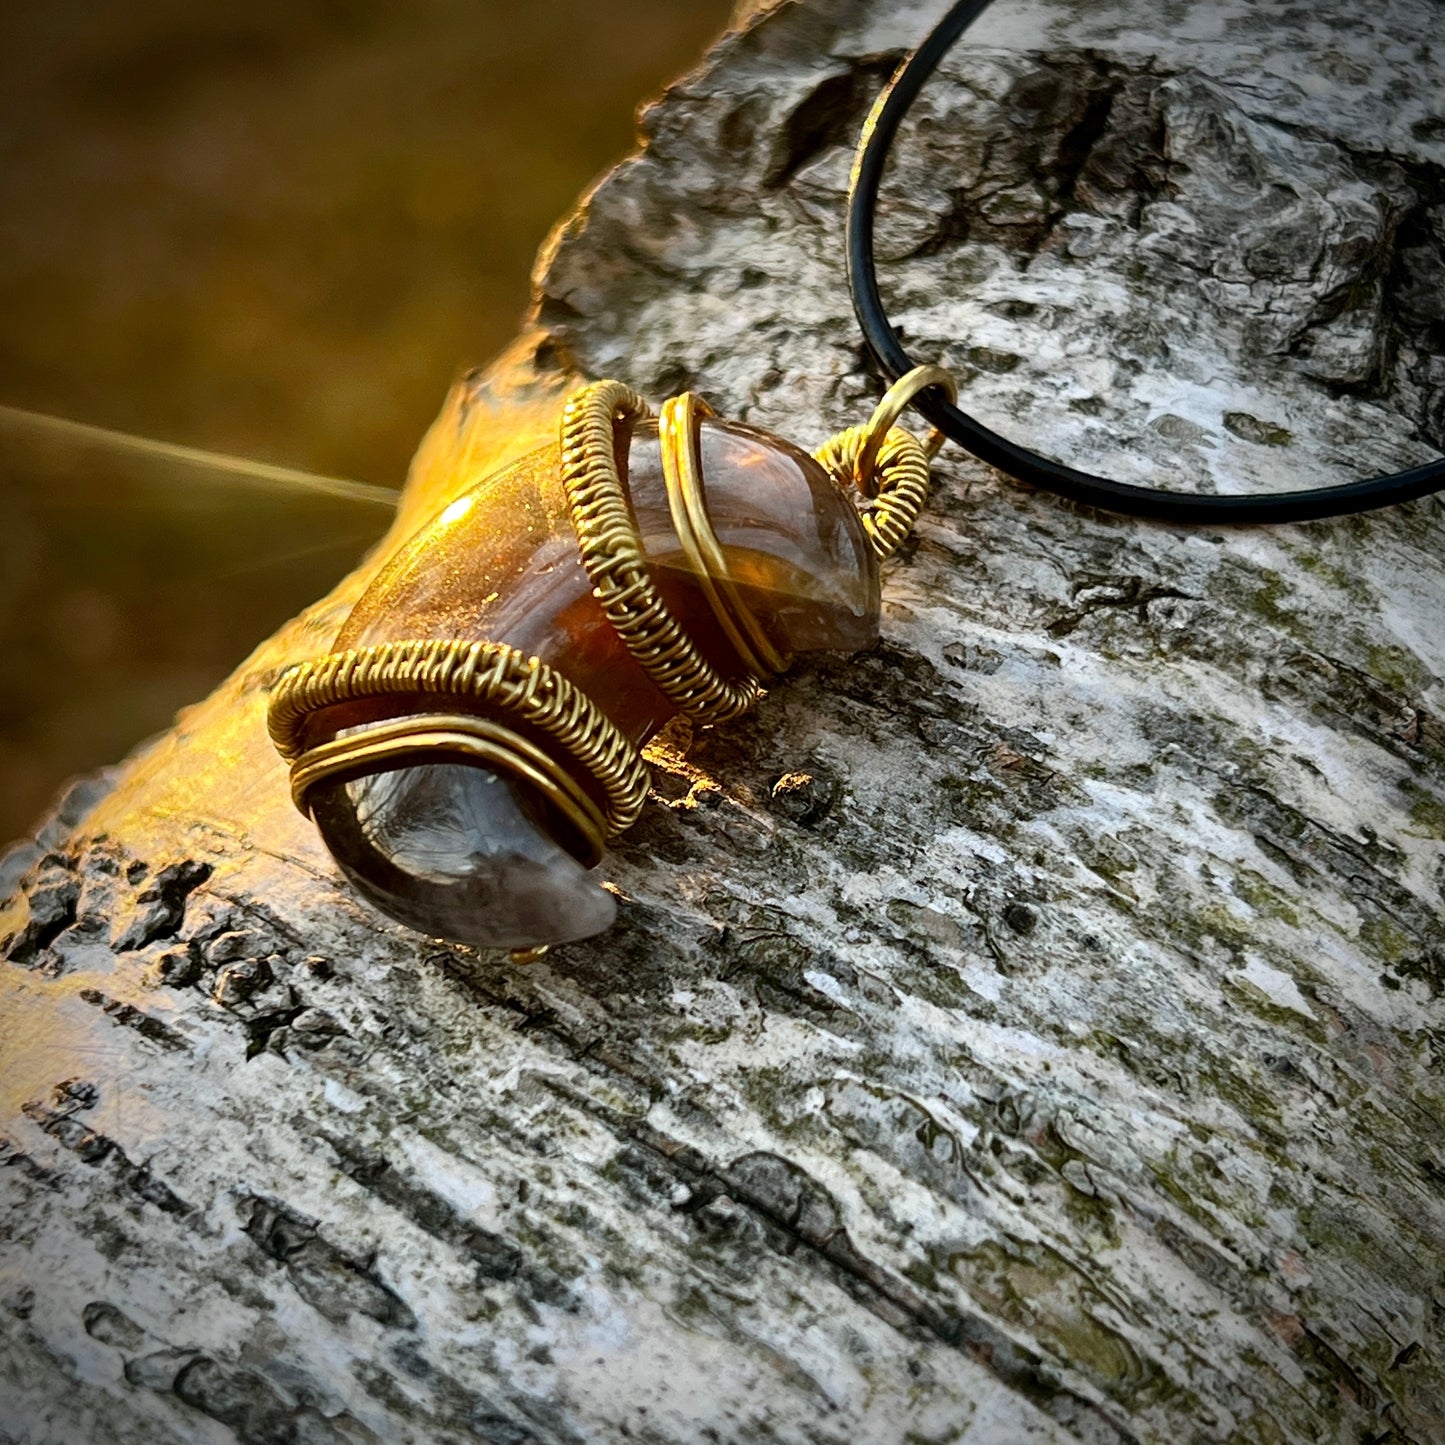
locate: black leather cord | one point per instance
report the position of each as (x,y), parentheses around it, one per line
(873,149)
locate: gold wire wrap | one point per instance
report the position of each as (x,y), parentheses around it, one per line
(487,673)
(901,472)
(612,554)
(882,459)
(408,742)
(867,471)
(677,430)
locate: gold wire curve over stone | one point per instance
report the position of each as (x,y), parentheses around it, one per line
(677,430)
(612,554)
(489,674)
(899,478)
(409,742)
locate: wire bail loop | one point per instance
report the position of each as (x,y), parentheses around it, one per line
(889,466)
(895,400)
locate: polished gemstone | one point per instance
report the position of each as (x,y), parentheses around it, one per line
(793,541)
(451,851)
(456,850)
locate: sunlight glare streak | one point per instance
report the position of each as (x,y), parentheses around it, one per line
(260,473)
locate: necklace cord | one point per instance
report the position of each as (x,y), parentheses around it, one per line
(874,147)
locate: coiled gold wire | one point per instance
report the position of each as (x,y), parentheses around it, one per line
(487,674)
(900,475)
(612,554)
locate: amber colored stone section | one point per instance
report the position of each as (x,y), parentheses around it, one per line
(466,857)
(501,564)
(793,541)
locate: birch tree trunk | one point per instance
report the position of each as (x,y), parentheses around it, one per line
(1031,1030)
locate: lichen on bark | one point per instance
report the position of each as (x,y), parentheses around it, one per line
(1032,1029)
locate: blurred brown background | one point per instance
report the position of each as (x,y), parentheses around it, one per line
(271,229)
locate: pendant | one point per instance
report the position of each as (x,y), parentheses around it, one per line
(471,744)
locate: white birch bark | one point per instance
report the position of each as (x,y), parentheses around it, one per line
(1031,1030)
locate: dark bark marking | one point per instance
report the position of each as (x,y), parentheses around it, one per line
(483,1417)
(13,1156)
(495,1257)
(152,1190)
(58,1120)
(297,1026)
(1305,846)
(50,892)
(456,1407)
(177,967)
(127,1016)
(335,1283)
(1091,594)
(86,1144)
(1368,707)
(19,1302)
(803,1212)
(1074,133)
(110,1325)
(70,1096)
(248,1404)
(828,116)
(796,1203)
(1427,967)
(1411,275)
(88,889)
(774,964)
(158,1369)
(239,945)
(160,905)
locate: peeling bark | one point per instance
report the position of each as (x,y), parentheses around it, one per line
(1031,1030)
